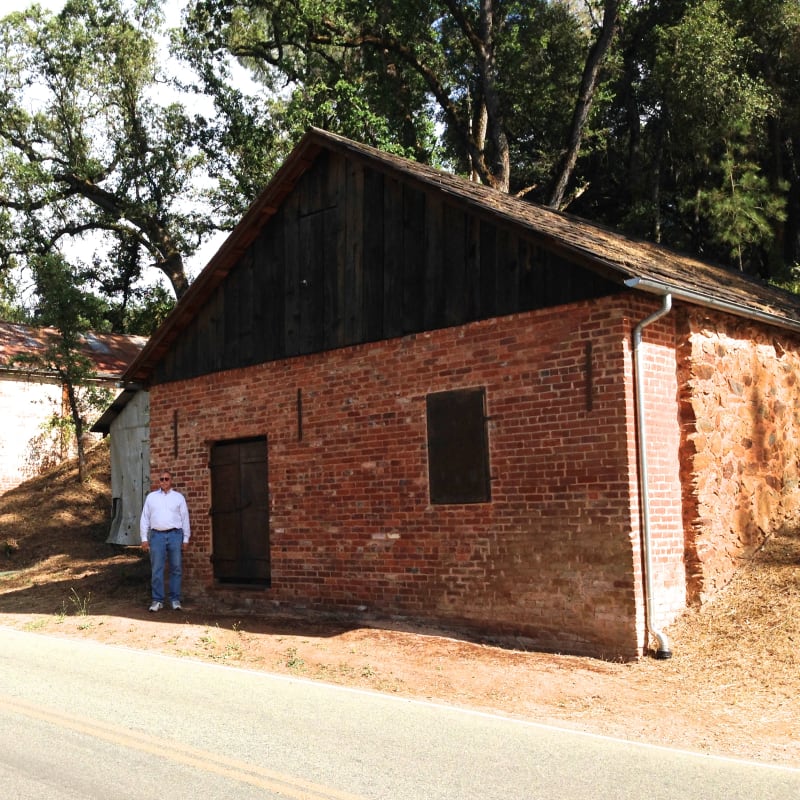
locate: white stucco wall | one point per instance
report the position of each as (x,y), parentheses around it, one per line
(25,405)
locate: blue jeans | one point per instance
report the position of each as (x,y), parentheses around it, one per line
(165,548)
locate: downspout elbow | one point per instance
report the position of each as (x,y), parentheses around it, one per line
(663,650)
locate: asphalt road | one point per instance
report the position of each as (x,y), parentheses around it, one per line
(84,720)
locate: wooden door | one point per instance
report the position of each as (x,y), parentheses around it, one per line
(240,512)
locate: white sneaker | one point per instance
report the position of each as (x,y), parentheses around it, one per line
(176,605)
(156,606)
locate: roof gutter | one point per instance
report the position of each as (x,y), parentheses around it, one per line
(53,375)
(663,651)
(687,295)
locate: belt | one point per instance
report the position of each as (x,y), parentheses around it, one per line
(164,530)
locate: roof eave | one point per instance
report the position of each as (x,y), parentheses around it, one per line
(697,298)
(301,158)
(103,425)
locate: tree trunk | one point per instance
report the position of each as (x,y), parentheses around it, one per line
(584,103)
(497,172)
(501,166)
(77,421)
(480,119)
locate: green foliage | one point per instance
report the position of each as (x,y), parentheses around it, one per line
(540,61)
(740,210)
(80,603)
(702,132)
(144,314)
(94,157)
(717,113)
(683,127)
(64,304)
(50,446)
(387,74)
(308,72)
(294,661)
(701,71)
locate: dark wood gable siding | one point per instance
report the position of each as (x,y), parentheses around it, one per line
(354,255)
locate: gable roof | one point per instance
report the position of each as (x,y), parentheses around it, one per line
(118,405)
(110,353)
(635,263)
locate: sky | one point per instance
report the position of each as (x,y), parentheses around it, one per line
(19,5)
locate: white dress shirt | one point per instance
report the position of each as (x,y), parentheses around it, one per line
(165,511)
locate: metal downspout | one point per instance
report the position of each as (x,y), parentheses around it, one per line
(663,651)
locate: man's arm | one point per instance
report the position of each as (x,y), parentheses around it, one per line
(187,531)
(144,524)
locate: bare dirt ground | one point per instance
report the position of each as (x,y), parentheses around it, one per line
(730,689)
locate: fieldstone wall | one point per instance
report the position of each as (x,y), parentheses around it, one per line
(740,417)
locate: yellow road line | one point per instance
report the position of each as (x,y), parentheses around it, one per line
(276,782)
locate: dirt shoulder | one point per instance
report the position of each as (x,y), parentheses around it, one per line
(730,689)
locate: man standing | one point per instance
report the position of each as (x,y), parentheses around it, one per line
(164,529)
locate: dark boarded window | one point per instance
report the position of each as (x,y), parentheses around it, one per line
(458,447)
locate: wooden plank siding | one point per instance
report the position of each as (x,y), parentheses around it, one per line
(357,254)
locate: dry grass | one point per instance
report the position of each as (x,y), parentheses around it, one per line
(732,687)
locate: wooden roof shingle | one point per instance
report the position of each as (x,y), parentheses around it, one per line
(639,264)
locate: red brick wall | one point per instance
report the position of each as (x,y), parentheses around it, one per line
(741,425)
(662,434)
(554,558)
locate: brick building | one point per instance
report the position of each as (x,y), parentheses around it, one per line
(393,391)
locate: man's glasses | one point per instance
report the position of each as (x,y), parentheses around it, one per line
(165,479)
